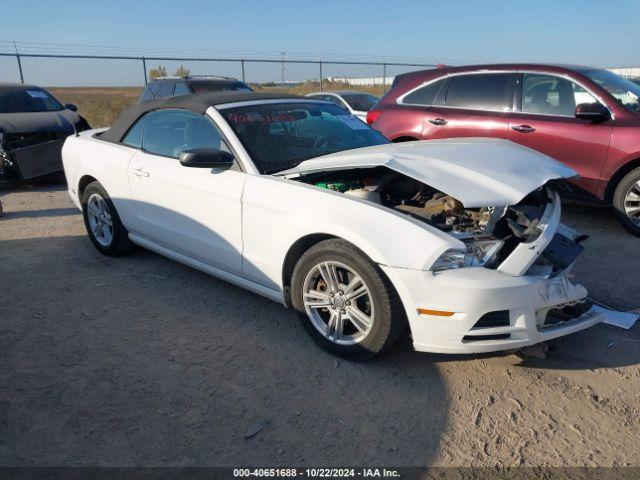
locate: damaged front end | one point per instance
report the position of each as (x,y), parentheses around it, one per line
(521,240)
(490,234)
(24,156)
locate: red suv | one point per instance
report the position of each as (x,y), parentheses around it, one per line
(585,117)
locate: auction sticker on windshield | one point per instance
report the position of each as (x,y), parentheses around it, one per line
(37,94)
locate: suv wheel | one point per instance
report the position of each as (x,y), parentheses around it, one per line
(345,302)
(626,201)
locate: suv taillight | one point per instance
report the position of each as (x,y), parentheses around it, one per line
(372,116)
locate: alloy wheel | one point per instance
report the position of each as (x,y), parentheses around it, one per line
(632,203)
(100,220)
(338,302)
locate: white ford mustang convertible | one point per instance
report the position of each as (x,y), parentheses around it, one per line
(296,200)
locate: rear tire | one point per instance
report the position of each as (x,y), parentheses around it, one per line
(626,201)
(345,301)
(102,222)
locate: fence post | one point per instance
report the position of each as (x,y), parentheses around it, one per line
(320,64)
(144,69)
(19,63)
(384,78)
(243,78)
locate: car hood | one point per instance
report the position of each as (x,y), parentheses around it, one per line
(479,172)
(60,120)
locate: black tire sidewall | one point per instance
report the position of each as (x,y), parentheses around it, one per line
(379,337)
(618,201)
(120,242)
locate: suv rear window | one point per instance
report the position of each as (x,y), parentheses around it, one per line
(425,95)
(487,91)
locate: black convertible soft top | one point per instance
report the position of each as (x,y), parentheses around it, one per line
(197,103)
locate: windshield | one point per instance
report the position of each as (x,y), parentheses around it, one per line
(282,135)
(362,102)
(219,87)
(624,91)
(30,99)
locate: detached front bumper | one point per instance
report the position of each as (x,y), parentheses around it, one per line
(493,310)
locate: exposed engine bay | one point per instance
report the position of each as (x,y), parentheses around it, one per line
(500,227)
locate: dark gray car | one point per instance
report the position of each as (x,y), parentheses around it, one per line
(173,86)
(33,127)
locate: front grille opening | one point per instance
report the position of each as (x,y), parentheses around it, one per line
(13,141)
(561,315)
(499,318)
(478,338)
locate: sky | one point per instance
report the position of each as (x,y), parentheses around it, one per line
(597,33)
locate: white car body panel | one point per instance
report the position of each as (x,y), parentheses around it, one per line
(176,208)
(278,212)
(479,172)
(240,225)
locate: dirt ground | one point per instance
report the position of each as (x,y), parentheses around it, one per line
(142,361)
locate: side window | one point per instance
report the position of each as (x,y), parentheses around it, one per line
(486,91)
(336,100)
(425,95)
(166,90)
(147,94)
(153,89)
(182,89)
(171,132)
(133,138)
(551,95)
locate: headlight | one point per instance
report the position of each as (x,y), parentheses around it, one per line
(476,254)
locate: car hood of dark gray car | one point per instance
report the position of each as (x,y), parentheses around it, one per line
(57,121)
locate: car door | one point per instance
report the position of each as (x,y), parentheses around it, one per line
(545,121)
(471,105)
(192,211)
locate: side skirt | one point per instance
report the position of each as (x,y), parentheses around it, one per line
(271,294)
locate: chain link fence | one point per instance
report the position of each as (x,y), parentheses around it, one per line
(101,81)
(63,70)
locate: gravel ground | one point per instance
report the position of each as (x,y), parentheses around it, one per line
(142,361)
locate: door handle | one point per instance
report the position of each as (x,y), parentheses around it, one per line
(438,121)
(140,172)
(523,128)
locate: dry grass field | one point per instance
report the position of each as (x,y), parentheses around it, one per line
(101,105)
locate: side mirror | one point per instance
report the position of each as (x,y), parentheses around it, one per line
(71,106)
(596,112)
(206,158)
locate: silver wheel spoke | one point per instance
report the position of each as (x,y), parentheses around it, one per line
(316,299)
(354,284)
(363,290)
(335,327)
(93,210)
(329,275)
(632,210)
(361,321)
(331,324)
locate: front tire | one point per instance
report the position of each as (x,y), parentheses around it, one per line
(345,301)
(626,201)
(102,222)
